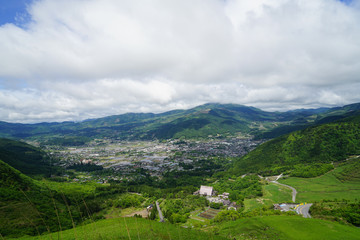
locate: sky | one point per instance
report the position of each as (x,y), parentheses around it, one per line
(72,60)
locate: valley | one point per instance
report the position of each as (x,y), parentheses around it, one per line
(180,120)
(218,185)
(154,157)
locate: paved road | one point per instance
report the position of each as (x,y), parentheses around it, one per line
(160,213)
(294,192)
(304,210)
(300,209)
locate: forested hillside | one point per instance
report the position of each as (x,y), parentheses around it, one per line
(24,157)
(308,152)
(30,207)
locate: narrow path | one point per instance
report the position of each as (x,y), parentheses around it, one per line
(294,192)
(160,213)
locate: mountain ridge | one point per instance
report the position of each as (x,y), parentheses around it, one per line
(211,119)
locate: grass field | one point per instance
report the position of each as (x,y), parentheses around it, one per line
(273,193)
(70,188)
(127,228)
(326,186)
(287,228)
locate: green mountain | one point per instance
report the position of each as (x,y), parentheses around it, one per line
(307,152)
(199,122)
(208,119)
(311,117)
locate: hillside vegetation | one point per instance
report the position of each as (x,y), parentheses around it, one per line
(32,207)
(309,151)
(341,183)
(312,117)
(286,228)
(128,228)
(24,157)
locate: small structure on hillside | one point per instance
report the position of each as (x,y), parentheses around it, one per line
(233,206)
(205,191)
(225,195)
(285,207)
(150,207)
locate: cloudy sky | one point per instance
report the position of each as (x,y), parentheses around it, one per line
(79,59)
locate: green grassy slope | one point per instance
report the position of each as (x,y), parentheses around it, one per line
(287,228)
(341,183)
(272,193)
(31,207)
(24,157)
(320,144)
(13,180)
(128,228)
(16,212)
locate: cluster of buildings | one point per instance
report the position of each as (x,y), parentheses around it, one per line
(213,197)
(229,147)
(155,157)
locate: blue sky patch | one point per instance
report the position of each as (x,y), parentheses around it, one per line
(14,11)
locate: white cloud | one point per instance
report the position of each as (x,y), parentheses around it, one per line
(88,58)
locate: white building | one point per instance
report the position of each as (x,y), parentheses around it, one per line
(206,190)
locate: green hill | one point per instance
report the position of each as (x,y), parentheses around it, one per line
(287,228)
(199,122)
(30,207)
(341,183)
(308,152)
(310,117)
(267,227)
(13,180)
(15,209)
(24,157)
(129,228)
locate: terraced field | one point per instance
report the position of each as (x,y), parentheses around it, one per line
(209,213)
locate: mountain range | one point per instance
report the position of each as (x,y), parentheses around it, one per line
(212,119)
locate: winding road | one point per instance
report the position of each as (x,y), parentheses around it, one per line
(302,209)
(294,192)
